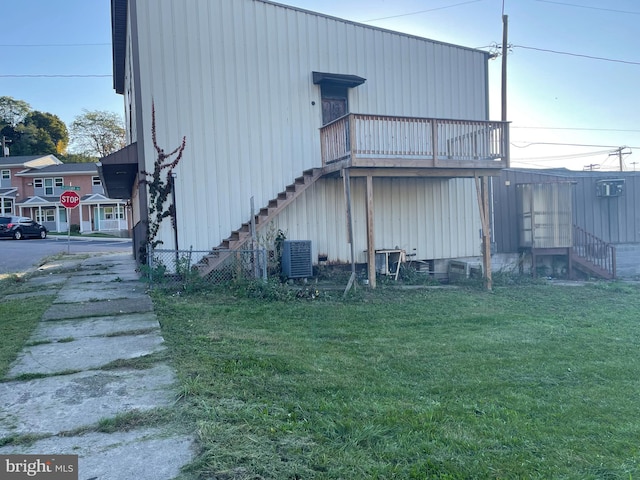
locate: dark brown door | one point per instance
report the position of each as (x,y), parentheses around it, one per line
(334,103)
(333,108)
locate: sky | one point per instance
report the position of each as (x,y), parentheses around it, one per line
(573,65)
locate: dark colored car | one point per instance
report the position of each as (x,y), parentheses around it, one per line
(21,227)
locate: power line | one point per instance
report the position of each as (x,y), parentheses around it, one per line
(591,8)
(554,158)
(566,144)
(576,55)
(54,45)
(576,128)
(421,11)
(54,76)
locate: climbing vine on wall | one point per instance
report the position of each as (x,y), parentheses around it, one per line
(160,183)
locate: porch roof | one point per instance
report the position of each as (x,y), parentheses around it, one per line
(118,172)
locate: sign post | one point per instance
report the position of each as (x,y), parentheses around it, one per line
(70,200)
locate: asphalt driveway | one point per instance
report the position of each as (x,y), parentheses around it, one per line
(20,256)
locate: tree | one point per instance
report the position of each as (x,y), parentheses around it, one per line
(77,158)
(98,133)
(37,133)
(51,124)
(12,111)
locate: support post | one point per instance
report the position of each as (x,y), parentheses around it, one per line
(371,253)
(346,178)
(482,189)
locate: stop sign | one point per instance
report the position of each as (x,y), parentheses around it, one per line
(70,199)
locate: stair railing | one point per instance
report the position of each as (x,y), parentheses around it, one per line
(594,250)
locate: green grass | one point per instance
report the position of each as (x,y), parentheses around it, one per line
(526,382)
(18,319)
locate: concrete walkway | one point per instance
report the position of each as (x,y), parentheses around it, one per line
(101,315)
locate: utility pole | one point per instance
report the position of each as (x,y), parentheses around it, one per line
(619,152)
(505,29)
(4,146)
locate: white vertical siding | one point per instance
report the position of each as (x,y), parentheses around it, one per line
(234,77)
(433,218)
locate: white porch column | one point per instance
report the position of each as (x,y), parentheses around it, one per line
(57,218)
(81,226)
(122,222)
(98,219)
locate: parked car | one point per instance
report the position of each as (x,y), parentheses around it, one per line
(21,227)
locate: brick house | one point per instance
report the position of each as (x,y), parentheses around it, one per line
(31,186)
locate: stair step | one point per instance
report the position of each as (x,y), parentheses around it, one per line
(242,235)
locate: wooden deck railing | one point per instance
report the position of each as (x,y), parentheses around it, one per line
(594,250)
(434,142)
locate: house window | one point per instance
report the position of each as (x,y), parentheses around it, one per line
(37,183)
(112,213)
(50,184)
(48,215)
(95,181)
(5,174)
(6,206)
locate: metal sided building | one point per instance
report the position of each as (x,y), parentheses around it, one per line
(287,107)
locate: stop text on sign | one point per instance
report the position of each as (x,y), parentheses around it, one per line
(70,199)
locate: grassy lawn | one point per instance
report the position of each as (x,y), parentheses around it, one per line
(18,319)
(531,381)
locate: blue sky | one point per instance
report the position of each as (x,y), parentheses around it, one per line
(552,98)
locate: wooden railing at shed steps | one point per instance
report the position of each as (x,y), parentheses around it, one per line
(597,252)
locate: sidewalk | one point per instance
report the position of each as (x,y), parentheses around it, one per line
(101,315)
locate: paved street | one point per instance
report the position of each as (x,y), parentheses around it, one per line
(20,256)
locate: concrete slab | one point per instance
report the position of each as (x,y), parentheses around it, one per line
(69,264)
(118,257)
(120,306)
(57,404)
(93,327)
(147,454)
(84,353)
(35,293)
(48,280)
(87,292)
(129,276)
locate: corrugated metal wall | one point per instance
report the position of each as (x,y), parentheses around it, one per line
(615,219)
(433,218)
(234,77)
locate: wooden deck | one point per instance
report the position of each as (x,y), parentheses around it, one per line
(425,146)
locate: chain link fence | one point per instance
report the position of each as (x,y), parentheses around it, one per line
(185,267)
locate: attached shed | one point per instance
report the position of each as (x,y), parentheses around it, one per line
(603,204)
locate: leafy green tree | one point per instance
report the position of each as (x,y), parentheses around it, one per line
(77,158)
(98,133)
(30,140)
(30,132)
(12,111)
(52,126)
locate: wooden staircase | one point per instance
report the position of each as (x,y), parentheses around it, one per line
(240,237)
(592,255)
(588,253)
